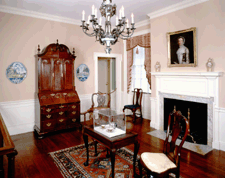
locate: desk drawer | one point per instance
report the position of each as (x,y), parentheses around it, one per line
(48,116)
(48,125)
(72,113)
(61,123)
(60,114)
(47,109)
(74,106)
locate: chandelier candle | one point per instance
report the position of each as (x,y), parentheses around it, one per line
(107,36)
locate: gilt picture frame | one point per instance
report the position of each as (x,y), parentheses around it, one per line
(182,48)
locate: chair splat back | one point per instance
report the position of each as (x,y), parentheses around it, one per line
(99,101)
(137,97)
(178,122)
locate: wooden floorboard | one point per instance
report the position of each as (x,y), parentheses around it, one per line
(33,160)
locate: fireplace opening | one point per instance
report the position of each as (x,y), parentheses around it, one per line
(197,118)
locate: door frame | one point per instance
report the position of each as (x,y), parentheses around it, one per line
(118,59)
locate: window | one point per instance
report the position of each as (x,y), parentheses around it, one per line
(139,79)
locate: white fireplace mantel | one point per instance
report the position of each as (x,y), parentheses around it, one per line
(202,84)
(187,85)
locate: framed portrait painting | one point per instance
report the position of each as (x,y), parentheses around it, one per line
(182,48)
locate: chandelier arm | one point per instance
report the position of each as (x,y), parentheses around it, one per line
(129,34)
(93,25)
(121,31)
(123,37)
(89,34)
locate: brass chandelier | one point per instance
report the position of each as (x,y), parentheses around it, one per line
(108,36)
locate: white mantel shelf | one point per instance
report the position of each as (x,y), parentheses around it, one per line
(199,74)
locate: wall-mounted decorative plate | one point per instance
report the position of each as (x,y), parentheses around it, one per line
(16,72)
(82,72)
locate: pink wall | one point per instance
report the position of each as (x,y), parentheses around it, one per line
(20,37)
(209,20)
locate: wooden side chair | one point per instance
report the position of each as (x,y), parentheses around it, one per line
(99,101)
(137,99)
(161,164)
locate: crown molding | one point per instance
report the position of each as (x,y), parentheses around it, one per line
(142,23)
(17,11)
(175,7)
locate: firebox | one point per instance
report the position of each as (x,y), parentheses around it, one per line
(197,118)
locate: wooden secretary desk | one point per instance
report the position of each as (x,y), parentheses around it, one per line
(59,102)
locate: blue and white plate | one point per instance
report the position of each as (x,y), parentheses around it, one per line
(16,72)
(82,72)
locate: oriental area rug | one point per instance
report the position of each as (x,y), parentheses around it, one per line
(70,162)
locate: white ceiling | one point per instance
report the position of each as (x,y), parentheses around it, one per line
(73,8)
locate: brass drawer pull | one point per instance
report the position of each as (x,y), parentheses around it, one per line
(74,112)
(74,106)
(49,124)
(61,120)
(61,113)
(61,107)
(74,120)
(48,110)
(48,116)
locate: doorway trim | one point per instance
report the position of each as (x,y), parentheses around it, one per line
(118,59)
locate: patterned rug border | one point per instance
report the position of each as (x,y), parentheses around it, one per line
(63,170)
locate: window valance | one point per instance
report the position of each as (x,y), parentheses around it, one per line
(143,41)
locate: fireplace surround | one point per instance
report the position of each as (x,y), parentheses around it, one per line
(200,87)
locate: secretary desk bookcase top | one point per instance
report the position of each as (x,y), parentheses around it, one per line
(59,101)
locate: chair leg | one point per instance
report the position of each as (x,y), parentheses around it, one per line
(141,114)
(140,168)
(134,116)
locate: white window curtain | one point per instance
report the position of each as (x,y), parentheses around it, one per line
(139,79)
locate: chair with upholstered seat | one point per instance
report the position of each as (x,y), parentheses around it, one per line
(162,164)
(137,98)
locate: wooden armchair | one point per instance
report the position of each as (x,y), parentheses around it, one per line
(99,101)
(161,164)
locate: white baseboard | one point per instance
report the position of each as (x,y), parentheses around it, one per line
(222,146)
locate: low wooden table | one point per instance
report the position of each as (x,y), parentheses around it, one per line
(112,144)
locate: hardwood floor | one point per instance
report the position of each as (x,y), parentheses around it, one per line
(33,160)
